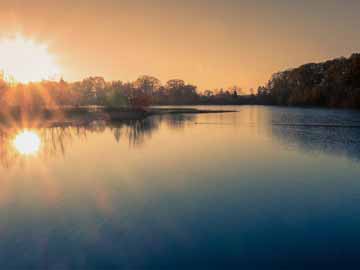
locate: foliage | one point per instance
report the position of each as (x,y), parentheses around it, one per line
(115,98)
(334,83)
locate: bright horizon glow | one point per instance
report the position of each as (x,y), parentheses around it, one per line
(24,60)
(27,143)
(212,44)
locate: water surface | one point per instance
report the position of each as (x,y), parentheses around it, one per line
(263,187)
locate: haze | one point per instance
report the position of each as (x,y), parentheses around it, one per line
(208,43)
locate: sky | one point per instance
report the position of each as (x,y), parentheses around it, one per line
(209,43)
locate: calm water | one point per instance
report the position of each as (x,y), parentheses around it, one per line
(262,188)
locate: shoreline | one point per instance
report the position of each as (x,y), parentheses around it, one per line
(86,115)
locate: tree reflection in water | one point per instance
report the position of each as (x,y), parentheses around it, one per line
(56,140)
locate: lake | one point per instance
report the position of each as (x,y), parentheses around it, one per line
(260,188)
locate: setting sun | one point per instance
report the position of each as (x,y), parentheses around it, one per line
(24,60)
(27,143)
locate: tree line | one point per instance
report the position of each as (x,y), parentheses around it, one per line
(144,91)
(334,83)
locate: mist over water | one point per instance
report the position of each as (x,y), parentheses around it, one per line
(262,187)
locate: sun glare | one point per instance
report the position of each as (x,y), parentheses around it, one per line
(27,143)
(24,60)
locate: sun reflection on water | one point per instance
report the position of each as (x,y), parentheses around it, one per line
(27,143)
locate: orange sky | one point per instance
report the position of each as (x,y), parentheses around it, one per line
(206,42)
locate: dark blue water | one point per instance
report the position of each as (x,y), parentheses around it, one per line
(262,188)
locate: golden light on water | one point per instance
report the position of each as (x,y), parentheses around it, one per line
(27,143)
(25,60)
